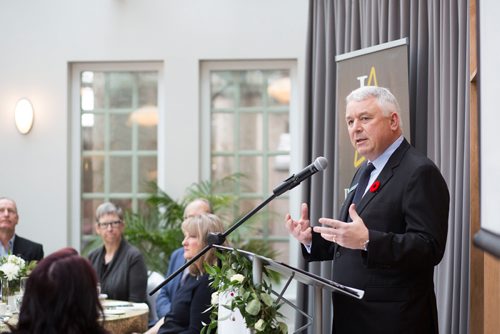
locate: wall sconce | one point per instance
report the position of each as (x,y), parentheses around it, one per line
(24,115)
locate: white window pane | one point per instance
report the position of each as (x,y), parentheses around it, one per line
(222,132)
(93,136)
(222,167)
(250,129)
(120,133)
(222,90)
(251,167)
(120,178)
(93,174)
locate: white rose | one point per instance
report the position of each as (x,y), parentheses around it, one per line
(16,260)
(237,278)
(260,325)
(215,298)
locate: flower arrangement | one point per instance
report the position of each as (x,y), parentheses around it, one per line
(12,268)
(234,277)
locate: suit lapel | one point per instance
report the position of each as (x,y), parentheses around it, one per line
(385,175)
(344,209)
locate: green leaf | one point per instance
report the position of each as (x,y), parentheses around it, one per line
(253,307)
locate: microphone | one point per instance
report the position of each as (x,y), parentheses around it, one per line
(294,180)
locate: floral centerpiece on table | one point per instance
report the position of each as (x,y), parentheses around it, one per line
(12,268)
(234,277)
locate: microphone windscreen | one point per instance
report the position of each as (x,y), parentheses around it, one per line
(320,163)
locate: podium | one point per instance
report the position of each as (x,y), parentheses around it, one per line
(319,283)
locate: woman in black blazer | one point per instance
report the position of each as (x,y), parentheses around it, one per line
(187,314)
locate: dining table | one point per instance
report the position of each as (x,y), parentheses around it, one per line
(119,317)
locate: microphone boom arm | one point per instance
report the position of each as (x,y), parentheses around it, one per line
(219,238)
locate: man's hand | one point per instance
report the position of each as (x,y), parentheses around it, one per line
(349,235)
(300,229)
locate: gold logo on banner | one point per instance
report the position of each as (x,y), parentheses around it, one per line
(358,159)
(373,75)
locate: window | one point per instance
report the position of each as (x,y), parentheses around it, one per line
(117,122)
(249,115)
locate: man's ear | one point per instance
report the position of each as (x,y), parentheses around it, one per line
(394,121)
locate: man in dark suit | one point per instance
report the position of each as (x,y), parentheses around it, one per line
(10,242)
(389,242)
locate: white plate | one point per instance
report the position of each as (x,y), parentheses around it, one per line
(115,303)
(114,312)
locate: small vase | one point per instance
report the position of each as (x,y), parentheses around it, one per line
(6,290)
(9,289)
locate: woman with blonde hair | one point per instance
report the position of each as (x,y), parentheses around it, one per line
(188,312)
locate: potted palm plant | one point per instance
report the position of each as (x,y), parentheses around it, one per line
(156,231)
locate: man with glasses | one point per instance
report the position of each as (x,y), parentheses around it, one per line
(120,267)
(10,242)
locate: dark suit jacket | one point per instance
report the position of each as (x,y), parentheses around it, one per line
(407,219)
(188,308)
(167,293)
(125,277)
(27,249)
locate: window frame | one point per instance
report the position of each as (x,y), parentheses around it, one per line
(294,117)
(75,171)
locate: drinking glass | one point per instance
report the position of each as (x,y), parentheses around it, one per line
(22,284)
(19,300)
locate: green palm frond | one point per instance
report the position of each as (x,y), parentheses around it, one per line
(156,231)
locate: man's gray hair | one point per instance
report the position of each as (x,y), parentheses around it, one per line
(384,97)
(108,208)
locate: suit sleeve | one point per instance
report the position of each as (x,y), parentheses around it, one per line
(138,279)
(164,299)
(424,208)
(321,249)
(39,253)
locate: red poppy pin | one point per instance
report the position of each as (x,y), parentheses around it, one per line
(374,187)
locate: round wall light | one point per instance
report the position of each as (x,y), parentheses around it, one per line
(24,116)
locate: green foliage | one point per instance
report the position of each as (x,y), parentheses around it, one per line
(234,278)
(156,230)
(156,242)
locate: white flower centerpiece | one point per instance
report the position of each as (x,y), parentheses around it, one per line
(233,278)
(12,268)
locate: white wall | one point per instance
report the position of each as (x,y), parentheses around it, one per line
(489,114)
(39,40)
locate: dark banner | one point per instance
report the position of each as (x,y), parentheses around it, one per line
(384,65)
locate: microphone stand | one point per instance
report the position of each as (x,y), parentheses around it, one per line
(215,239)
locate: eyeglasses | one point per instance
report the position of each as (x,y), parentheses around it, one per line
(104,226)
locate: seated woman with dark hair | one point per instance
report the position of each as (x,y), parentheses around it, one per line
(61,297)
(189,308)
